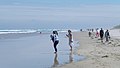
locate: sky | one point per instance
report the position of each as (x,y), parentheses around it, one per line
(59,14)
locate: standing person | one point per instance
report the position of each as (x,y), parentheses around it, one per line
(89,33)
(55,40)
(92,34)
(97,33)
(69,35)
(107,36)
(92,30)
(81,30)
(101,34)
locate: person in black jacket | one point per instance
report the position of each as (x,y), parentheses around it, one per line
(101,34)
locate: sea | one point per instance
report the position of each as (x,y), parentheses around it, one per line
(30,48)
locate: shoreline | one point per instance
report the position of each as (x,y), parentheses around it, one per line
(98,55)
(32,50)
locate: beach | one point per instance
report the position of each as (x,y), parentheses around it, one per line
(98,55)
(59,33)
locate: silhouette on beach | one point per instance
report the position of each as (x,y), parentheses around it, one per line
(107,35)
(101,34)
(91,33)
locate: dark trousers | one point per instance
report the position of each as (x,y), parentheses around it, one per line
(107,38)
(55,45)
(101,36)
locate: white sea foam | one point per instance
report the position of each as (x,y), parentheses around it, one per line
(16,31)
(33,31)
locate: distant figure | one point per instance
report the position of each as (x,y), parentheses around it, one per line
(81,30)
(92,34)
(92,30)
(97,33)
(89,33)
(40,32)
(55,40)
(107,36)
(101,34)
(56,63)
(69,35)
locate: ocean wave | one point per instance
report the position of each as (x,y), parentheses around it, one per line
(16,31)
(34,31)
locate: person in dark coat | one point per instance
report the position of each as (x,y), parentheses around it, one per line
(101,34)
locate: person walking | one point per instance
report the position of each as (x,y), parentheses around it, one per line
(69,35)
(101,34)
(55,40)
(107,35)
(97,33)
(89,33)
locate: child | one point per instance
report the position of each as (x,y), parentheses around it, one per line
(69,35)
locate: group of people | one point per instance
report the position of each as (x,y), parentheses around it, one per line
(100,34)
(55,39)
(107,35)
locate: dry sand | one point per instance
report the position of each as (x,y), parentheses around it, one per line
(98,55)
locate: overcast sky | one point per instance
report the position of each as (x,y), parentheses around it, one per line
(17,14)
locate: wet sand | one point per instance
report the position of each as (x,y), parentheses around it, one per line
(35,51)
(98,55)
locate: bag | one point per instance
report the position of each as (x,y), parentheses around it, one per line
(52,37)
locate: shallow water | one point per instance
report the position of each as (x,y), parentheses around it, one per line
(35,52)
